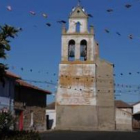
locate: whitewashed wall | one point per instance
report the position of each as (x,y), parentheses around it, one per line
(71,94)
(136,108)
(123,120)
(6,103)
(52,116)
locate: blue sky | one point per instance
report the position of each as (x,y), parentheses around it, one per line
(37,49)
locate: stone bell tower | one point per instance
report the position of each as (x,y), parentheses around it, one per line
(81,101)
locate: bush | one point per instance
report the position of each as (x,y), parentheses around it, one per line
(19,135)
(6,121)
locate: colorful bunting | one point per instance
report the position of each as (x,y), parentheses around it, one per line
(128,5)
(130,36)
(9,8)
(118,33)
(44,15)
(32,12)
(62,21)
(48,24)
(107,31)
(109,10)
(89,15)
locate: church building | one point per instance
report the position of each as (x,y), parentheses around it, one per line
(85,93)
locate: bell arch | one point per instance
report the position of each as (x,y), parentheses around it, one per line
(83,50)
(71,50)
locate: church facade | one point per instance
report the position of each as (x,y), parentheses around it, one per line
(85,93)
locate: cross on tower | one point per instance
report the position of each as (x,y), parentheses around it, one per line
(79,2)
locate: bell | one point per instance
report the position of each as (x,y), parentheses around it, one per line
(83,54)
(71,54)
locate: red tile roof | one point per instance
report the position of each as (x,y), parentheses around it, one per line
(12,75)
(121,104)
(136,103)
(25,84)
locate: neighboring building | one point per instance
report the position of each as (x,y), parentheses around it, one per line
(7,91)
(123,115)
(136,115)
(136,107)
(27,102)
(85,93)
(30,106)
(51,116)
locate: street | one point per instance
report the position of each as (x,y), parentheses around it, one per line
(86,135)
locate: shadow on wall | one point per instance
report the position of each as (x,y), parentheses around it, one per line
(49,122)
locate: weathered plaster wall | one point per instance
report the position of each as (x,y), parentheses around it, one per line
(105,95)
(76,117)
(76,84)
(85,91)
(83,25)
(76,97)
(123,120)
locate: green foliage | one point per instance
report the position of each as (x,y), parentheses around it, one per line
(2,73)
(20,135)
(6,121)
(6,32)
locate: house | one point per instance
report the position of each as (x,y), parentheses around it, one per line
(136,107)
(27,103)
(7,91)
(51,116)
(136,115)
(30,106)
(123,115)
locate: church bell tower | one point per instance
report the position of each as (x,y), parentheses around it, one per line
(77,98)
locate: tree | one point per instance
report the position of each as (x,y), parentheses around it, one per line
(6,32)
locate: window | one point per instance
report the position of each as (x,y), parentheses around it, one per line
(71,50)
(78,11)
(78,24)
(83,50)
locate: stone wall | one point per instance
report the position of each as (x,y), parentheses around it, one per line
(39,117)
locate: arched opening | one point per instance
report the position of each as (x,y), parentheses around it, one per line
(71,50)
(83,50)
(78,24)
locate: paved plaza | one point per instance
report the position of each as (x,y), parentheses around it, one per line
(86,135)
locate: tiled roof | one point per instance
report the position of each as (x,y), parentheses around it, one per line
(122,104)
(10,74)
(25,84)
(51,105)
(136,103)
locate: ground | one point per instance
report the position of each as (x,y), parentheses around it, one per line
(86,135)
